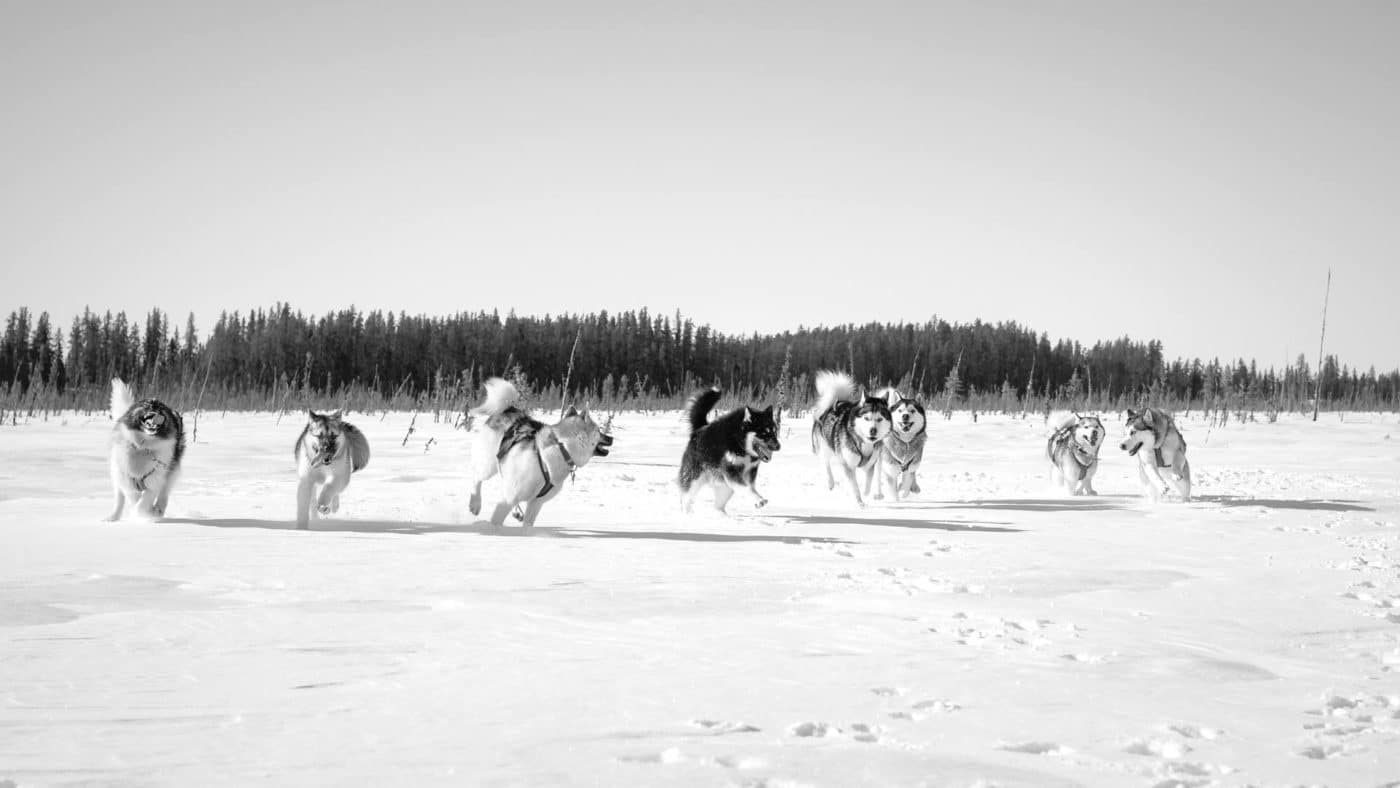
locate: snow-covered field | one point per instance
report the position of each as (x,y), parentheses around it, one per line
(989,632)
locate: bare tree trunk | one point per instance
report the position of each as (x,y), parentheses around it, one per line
(1317,388)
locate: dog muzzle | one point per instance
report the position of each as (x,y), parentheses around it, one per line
(604,446)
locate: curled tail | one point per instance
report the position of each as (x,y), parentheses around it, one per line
(500,394)
(833,387)
(122,400)
(697,411)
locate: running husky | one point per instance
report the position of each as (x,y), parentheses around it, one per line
(903,451)
(532,458)
(847,431)
(1152,429)
(328,451)
(724,455)
(1073,452)
(148,441)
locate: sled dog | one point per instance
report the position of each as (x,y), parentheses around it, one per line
(1164,458)
(903,451)
(1073,452)
(148,441)
(532,458)
(328,451)
(724,455)
(847,431)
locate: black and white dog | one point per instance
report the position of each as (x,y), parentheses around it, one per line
(847,431)
(724,455)
(1165,450)
(148,441)
(903,451)
(1073,452)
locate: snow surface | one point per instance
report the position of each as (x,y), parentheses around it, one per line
(989,632)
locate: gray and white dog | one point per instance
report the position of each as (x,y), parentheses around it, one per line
(847,430)
(1152,437)
(148,441)
(328,451)
(1073,451)
(902,452)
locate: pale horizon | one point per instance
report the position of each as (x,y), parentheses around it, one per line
(1185,173)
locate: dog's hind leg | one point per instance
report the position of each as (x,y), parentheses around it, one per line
(723,492)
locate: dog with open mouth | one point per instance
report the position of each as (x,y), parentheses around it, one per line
(848,430)
(532,458)
(328,451)
(147,444)
(1073,452)
(725,454)
(902,452)
(1160,448)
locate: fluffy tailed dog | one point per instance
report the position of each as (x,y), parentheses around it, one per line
(532,458)
(328,451)
(903,451)
(148,441)
(1073,452)
(847,430)
(1160,449)
(724,455)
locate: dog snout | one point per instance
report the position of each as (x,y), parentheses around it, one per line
(873,433)
(776,445)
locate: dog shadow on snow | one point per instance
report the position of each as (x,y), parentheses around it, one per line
(1305,504)
(484,528)
(975,526)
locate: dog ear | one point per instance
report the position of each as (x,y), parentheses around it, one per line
(748,415)
(337,413)
(892,396)
(572,411)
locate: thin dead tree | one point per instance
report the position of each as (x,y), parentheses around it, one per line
(1317,389)
(568,373)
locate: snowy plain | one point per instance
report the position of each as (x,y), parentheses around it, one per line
(987,632)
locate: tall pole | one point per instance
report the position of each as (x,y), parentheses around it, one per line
(1317,388)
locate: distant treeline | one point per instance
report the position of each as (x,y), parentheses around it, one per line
(266,358)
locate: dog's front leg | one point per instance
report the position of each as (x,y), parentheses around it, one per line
(855,484)
(116,514)
(752,486)
(499,515)
(304,485)
(163,499)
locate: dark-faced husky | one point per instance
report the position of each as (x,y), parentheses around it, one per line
(724,455)
(328,451)
(1073,452)
(903,451)
(532,458)
(1152,437)
(148,441)
(847,430)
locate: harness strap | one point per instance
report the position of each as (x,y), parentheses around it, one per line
(544,469)
(903,464)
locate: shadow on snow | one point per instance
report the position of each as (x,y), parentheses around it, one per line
(484,528)
(904,522)
(1306,504)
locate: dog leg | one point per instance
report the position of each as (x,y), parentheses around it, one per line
(723,492)
(688,497)
(855,484)
(1087,484)
(498,517)
(303,502)
(532,510)
(914,483)
(163,499)
(117,508)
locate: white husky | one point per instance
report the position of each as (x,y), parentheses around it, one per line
(328,451)
(532,458)
(148,441)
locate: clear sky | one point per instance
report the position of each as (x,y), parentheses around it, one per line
(1182,170)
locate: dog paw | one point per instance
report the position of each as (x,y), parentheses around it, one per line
(760,503)
(915,488)
(324,509)
(879,496)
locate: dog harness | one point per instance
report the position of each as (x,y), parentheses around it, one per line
(528,430)
(1157,450)
(903,464)
(1082,457)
